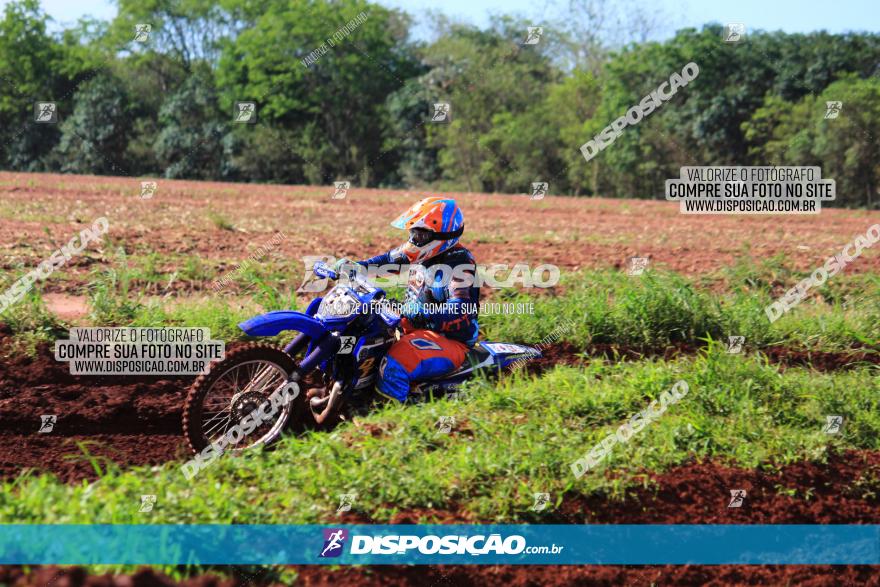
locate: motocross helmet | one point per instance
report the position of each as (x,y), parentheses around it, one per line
(434,225)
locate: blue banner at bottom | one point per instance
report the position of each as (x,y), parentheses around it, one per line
(440,544)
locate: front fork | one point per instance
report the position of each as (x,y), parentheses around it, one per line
(324,348)
(297,344)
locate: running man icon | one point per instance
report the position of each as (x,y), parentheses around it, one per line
(333,541)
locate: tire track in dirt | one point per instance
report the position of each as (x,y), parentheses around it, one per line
(114,420)
(570,232)
(564,576)
(137,420)
(73,458)
(843,490)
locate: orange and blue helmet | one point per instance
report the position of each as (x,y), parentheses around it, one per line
(434,224)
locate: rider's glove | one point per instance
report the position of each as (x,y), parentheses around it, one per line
(341,264)
(412,310)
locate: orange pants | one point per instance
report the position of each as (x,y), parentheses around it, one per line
(418,355)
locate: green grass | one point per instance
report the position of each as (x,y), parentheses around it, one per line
(220,316)
(112,299)
(219,221)
(647,312)
(114,302)
(32,324)
(661,308)
(512,438)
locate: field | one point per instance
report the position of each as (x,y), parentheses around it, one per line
(752,420)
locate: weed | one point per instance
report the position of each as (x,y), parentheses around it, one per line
(31,324)
(219,221)
(111,298)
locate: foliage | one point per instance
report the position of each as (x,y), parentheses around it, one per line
(845,146)
(98,131)
(191,142)
(343,93)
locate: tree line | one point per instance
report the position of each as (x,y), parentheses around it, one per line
(342,92)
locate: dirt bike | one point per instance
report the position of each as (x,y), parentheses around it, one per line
(345,336)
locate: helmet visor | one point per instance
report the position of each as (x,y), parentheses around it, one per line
(420,237)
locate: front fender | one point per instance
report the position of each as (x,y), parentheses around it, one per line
(274,322)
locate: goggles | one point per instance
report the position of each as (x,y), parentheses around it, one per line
(420,236)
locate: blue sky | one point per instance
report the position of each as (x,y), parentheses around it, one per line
(787,15)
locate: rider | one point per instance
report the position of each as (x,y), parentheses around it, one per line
(436,338)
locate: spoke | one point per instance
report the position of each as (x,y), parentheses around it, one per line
(218,402)
(260,377)
(216,416)
(266,385)
(220,423)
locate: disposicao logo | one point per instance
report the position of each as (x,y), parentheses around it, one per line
(334,540)
(443,545)
(409,545)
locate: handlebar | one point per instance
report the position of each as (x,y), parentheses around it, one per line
(321,269)
(355,279)
(358,281)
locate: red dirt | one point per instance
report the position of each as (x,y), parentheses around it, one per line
(477,576)
(642,576)
(70,463)
(569,232)
(845,490)
(123,420)
(137,420)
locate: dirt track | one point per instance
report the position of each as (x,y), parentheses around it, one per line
(568,354)
(843,491)
(137,420)
(134,421)
(569,232)
(123,420)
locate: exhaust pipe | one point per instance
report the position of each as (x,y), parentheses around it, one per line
(331,401)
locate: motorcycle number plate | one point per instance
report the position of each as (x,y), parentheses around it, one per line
(505,348)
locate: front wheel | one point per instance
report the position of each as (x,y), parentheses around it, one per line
(242,391)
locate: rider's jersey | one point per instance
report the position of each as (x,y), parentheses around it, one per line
(449,303)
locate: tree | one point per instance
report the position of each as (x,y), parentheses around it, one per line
(191,142)
(491,80)
(95,136)
(322,69)
(407,109)
(849,145)
(706,123)
(845,146)
(558,121)
(189,31)
(29,64)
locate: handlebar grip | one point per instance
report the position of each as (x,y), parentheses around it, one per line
(321,269)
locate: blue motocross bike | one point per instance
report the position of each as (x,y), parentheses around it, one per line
(342,340)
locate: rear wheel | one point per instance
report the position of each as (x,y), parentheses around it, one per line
(236,387)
